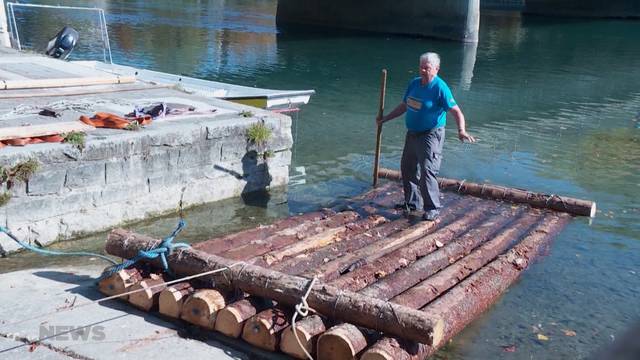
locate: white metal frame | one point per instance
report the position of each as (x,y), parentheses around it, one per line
(104,33)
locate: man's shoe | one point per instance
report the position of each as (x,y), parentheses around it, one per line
(431,215)
(405,206)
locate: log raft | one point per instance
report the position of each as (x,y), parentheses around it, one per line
(395,286)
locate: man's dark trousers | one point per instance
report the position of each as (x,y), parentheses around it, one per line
(421,158)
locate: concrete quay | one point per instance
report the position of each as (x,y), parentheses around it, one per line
(122,176)
(108,330)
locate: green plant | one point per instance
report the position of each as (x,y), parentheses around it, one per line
(76,138)
(258,133)
(23,171)
(4,198)
(133,126)
(246,113)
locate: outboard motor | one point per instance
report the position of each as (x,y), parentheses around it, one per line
(62,44)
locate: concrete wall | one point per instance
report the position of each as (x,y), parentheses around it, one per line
(588,8)
(124,176)
(447,19)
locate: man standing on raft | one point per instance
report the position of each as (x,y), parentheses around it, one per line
(426,103)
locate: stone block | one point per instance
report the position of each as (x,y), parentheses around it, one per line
(47,181)
(85,175)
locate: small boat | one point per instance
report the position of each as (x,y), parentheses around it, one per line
(278,100)
(63,43)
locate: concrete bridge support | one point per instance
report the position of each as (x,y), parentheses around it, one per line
(447,19)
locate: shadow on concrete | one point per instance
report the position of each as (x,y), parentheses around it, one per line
(257,177)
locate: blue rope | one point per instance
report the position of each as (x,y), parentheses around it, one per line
(163,249)
(53,252)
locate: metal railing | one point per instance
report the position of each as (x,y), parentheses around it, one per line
(104,33)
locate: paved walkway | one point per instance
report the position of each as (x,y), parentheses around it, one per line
(110,330)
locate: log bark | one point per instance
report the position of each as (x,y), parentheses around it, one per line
(408,253)
(172,299)
(325,238)
(202,307)
(308,329)
(341,342)
(470,298)
(328,300)
(449,253)
(350,262)
(429,289)
(496,192)
(289,236)
(227,242)
(120,282)
(232,318)
(265,328)
(332,261)
(147,300)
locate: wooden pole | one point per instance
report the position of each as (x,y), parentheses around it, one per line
(287,289)
(471,297)
(376,161)
(496,192)
(4,27)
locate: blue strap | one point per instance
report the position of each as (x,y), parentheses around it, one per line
(53,252)
(163,249)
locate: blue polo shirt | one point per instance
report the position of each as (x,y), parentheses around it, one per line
(427,105)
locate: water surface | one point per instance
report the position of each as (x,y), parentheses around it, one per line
(555,104)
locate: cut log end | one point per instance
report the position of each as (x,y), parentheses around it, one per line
(258,332)
(344,341)
(376,354)
(202,307)
(119,282)
(308,330)
(229,322)
(438,332)
(172,299)
(592,213)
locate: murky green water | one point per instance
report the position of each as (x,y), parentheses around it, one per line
(554,102)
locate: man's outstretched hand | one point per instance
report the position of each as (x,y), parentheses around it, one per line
(463,136)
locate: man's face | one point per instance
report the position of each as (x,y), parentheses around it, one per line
(428,71)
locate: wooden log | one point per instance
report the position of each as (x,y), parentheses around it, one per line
(341,342)
(308,330)
(264,329)
(120,282)
(343,256)
(147,299)
(496,192)
(202,307)
(408,253)
(429,289)
(287,289)
(289,236)
(232,318)
(351,261)
(470,298)
(423,268)
(227,242)
(172,299)
(19,132)
(325,238)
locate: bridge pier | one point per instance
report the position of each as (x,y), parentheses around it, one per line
(446,19)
